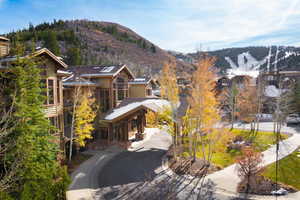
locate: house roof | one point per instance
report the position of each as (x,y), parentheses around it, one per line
(35,54)
(4,38)
(49,53)
(99,70)
(141,81)
(131,105)
(75,80)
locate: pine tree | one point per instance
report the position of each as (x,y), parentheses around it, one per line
(73,56)
(153,49)
(51,42)
(39,174)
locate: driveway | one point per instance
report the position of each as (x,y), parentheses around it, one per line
(268,126)
(114,169)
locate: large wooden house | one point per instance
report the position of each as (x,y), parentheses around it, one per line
(52,73)
(122,99)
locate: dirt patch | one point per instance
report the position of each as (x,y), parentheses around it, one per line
(188,166)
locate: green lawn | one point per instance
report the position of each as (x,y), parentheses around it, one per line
(289,170)
(261,142)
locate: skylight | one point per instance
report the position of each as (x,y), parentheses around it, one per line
(108,69)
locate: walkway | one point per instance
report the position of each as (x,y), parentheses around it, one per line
(227,179)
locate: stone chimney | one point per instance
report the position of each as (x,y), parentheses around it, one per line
(4,46)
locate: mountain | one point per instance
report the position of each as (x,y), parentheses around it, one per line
(83,42)
(249,58)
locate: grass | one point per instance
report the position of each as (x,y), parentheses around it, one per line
(289,170)
(223,158)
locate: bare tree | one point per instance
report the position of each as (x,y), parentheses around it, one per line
(76,98)
(249,165)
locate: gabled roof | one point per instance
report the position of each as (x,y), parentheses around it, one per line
(99,70)
(131,105)
(50,54)
(35,54)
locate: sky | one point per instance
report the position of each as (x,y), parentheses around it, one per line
(179,25)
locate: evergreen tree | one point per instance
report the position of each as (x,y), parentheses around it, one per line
(51,43)
(144,45)
(39,174)
(73,56)
(153,49)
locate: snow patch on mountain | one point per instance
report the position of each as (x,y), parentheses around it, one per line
(247,65)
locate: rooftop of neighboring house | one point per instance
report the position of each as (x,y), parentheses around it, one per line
(43,51)
(142,80)
(98,70)
(75,80)
(3,38)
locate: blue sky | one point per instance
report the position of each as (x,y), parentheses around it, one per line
(181,25)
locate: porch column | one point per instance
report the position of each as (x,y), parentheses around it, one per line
(126,130)
(110,132)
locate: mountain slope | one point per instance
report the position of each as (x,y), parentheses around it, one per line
(250,58)
(82,42)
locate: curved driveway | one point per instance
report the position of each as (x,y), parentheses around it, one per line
(136,166)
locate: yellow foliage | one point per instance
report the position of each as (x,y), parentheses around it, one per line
(151,119)
(204,105)
(84,117)
(169,87)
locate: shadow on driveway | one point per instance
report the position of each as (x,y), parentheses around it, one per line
(131,167)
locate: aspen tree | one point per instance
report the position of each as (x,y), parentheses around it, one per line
(204,106)
(170,91)
(85,116)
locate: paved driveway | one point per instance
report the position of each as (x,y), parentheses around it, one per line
(136,166)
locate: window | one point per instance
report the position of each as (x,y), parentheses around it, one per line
(44,89)
(50,91)
(55,121)
(149,92)
(104,99)
(121,95)
(58,91)
(120,89)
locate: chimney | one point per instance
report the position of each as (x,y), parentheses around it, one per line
(4,46)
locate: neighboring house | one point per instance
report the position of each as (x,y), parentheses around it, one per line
(122,99)
(51,74)
(142,87)
(4,46)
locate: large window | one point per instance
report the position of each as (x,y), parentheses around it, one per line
(104,99)
(149,92)
(50,91)
(44,90)
(58,91)
(121,88)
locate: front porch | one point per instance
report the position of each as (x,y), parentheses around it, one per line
(122,131)
(126,123)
